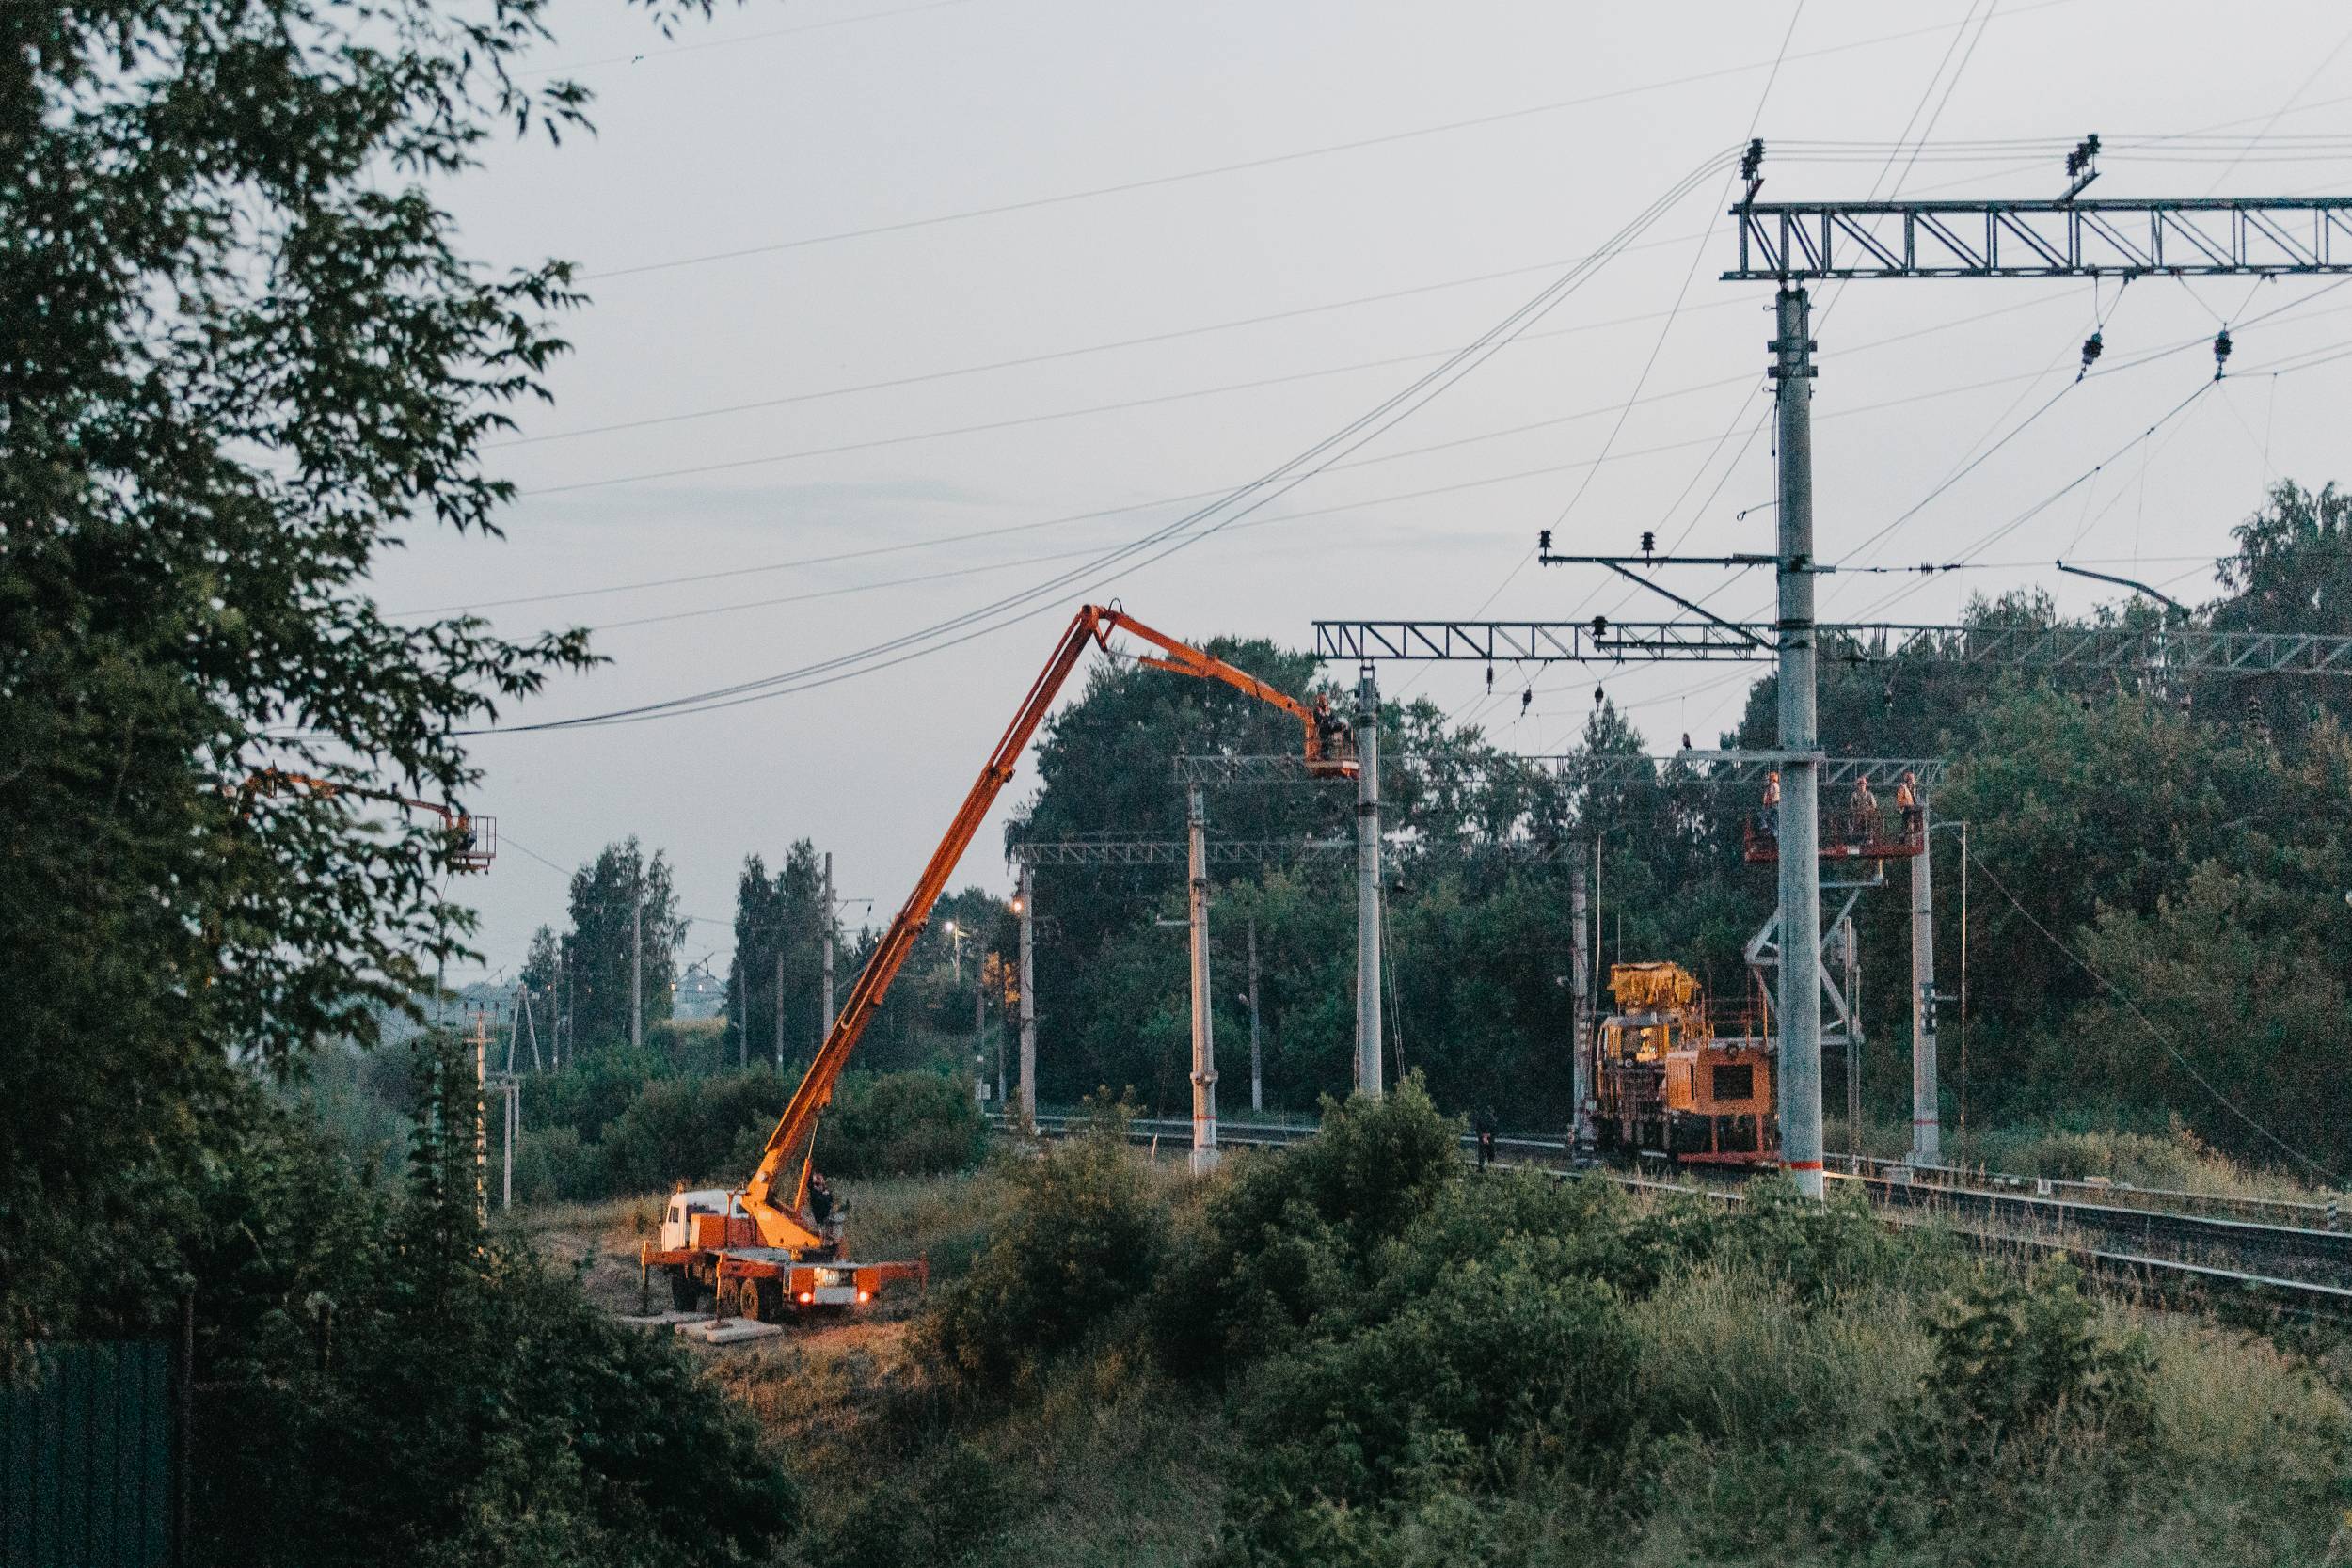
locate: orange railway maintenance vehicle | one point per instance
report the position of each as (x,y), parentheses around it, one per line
(759,1250)
(1669,1085)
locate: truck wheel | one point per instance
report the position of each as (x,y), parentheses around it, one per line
(767,1300)
(682,1291)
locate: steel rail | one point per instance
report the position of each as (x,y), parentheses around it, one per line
(2301,1298)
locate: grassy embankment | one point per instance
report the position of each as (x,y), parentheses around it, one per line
(1365,1356)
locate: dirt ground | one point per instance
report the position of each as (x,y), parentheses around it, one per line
(941,1220)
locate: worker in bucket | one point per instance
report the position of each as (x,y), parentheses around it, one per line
(1865,800)
(820,1204)
(1768,820)
(1907,801)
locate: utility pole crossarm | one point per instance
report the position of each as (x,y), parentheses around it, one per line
(1175,851)
(1791,242)
(2247,653)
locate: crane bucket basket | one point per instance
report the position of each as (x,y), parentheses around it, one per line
(1652,987)
(1875,833)
(1330,750)
(473,842)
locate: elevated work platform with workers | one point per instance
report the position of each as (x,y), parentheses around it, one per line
(1864,828)
(776,1245)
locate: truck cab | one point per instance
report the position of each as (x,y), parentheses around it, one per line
(705,1219)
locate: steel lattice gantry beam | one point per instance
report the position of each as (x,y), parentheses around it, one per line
(1709,767)
(1088,852)
(1732,767)
(1174,852)
(1792,241)
(2242,652)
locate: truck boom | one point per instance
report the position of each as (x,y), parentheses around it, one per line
(775,1198)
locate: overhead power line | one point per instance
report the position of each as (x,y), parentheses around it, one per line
(653,56)
(1056,354)
(1157,546)
(1277,159)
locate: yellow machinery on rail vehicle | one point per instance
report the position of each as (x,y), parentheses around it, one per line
(1667,1084)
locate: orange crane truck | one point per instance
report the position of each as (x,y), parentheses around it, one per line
(759,1250)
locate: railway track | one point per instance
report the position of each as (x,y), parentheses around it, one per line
(2286,1270)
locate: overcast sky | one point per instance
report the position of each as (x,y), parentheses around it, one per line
(780,126)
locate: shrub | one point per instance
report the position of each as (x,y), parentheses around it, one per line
(379,1380)
(552,1166)
(2016,1359)
(1290,1235)
(1509,1361)
(901,1124)
(1085,1239)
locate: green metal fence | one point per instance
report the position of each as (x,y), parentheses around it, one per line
(87,1459)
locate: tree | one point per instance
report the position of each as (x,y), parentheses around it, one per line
(779,956)
(245,355)
(623,911)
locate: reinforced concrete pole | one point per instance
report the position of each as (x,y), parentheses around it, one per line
(1203,1033)
(747,1060)
(1027,896)
(1926,1129)
(480,1119)
(1256,1069)
(1368,884)
(514,1131)
(824,1024)
(1581,987)
(637,969)
(1799,796)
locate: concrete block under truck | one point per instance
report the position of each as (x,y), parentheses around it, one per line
(765,1251)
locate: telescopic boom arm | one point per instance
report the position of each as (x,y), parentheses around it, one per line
(471,841)
(779,1217)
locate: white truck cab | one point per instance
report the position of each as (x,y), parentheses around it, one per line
(678,1219)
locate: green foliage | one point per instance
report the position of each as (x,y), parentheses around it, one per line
(1510,1357)
(1083,1242)
(1286,1236)
(246,357)
(780,925)
(2016,1359)
(598,1132)
(901,1124)
(376,1378)
(623,912)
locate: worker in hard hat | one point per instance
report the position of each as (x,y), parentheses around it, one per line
(1907,801)
(1865,800)
(1327,725)
(1768,820)
(820,1204)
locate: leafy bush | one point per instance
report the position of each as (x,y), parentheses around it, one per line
(1288,1235)
(380,1380)
(552,1166)
(1084,1240)
(1509,1354)
(901,1124)
(2016,1359)
(598,1132)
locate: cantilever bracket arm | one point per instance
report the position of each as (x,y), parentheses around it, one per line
(1691,605)
(2166,599)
